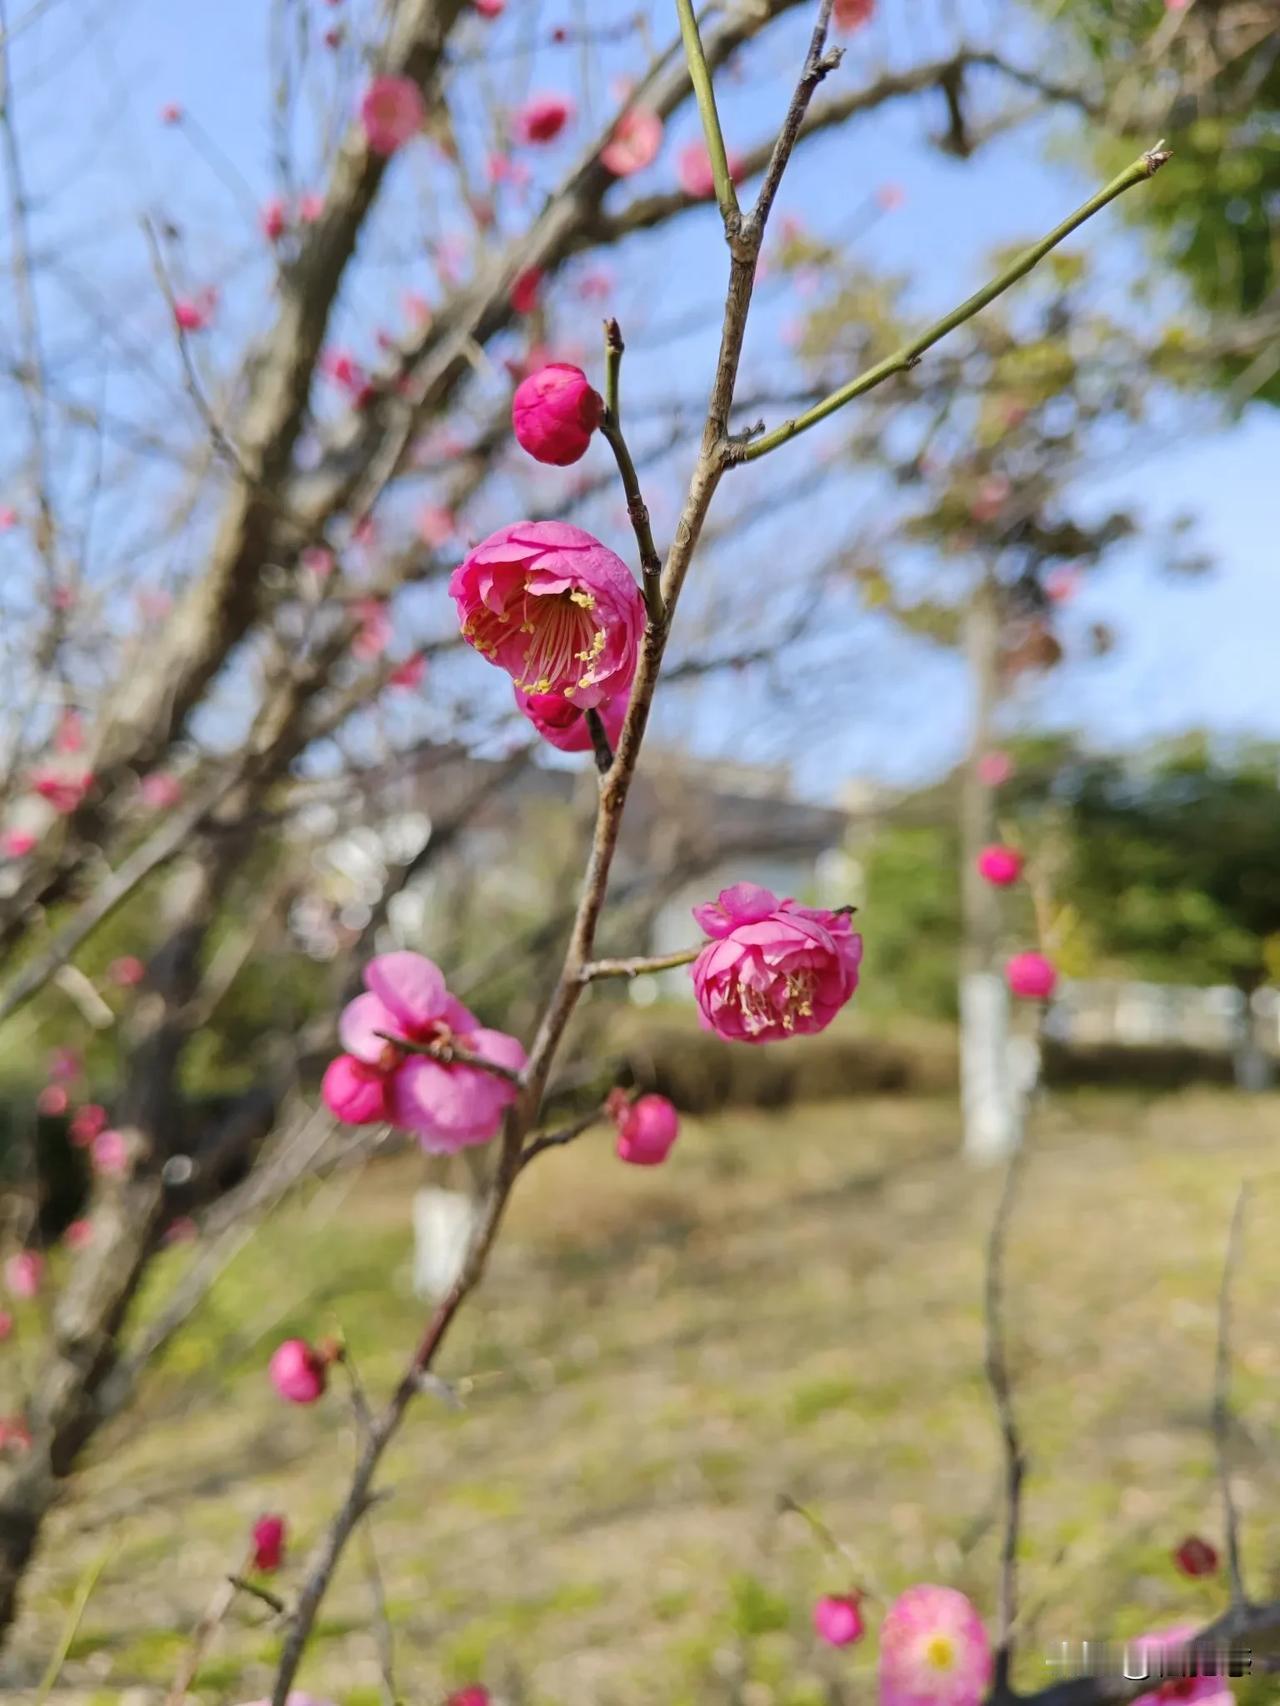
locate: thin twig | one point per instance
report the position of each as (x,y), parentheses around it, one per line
(996,1363)
(558,1139)
(704,94)
(638,967)
(637,509)
(1222,1402)
(902,360)
(448,1055)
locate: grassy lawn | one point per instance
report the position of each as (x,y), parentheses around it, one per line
(791,1306)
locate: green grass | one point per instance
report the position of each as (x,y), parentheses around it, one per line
(791,1306)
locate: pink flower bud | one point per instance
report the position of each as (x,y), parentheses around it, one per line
(1031,976)
(490,8)
(127,971)
(17,843)
(268,1543)
(298,1372)
(65,1065)
(24,1272)
(524,292)
(994,769)
(64,790)
(554,413)
(6,1324)
(271,218)
(355,1091)
(78,1234)
(647,1128)
(86,1123)
(852,14)
(194,313)
(411,673)
(15,1435)
(310,206)
(472,1695)
(1196,1557)
(159,791)
(838,1619)
(52,1101)
(171,113)
(542,118)
(110,1152)
(1000,866)
(183,1230)
(391,111)
(635,142)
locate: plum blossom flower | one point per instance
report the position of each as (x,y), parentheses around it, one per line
(78,1234)
(554,413)
(69,734)
(542,118)
(437,526)
(448,1105)
(310,206)
(524,291)
(53,1101)
(474,1694)
(65,1065)
(773,969)
(889,197)
(1169,1652)
(852,14)
(994,769)
(86,1123)
(15,1435)
(647,1128)
(1196,1556)
(694,174)
(268,1543)
(298,1371)
(490,8)
(837,1618)
(127,971)
(635,142)
(110,1152)
(1031,976)
(553,607)
(171,113)
(1000,866)
(195,313)
(273,219)
(64,790)
(934,1650)
(410,673)
(17,843)
(160,791)
(374,632)
(391,111)
(563,724)
(24,1273)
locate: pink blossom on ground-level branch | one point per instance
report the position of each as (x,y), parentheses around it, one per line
(298,1371)
(837,1619)
(773,969)
(1000,866)
(448,1105)
(647,1129)
(554,413)
(23,1273)
(563,724)
(934,1650)
(553,607)
(1031,976)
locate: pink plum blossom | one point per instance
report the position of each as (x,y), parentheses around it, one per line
(635,142)
(852,14)
(837,1618)
(310,206)
(992,495)
(437,526)
(994,769)
(195,313)
(17,843)
(554,413)
(64,790)
(772,969)
(69,734)
(448,1105)
(78,1234)
(1170,1651)
(489,8)
(934,1650)
(391,111)
(542,118)
(553,607)
(563,724)
(1063,583)
(160,791)
(65,1065)
(298,1371)
(373,634)
(1000,866)
(273,219)
(15,1435)
(127,971)
(647,1128)
(110,1151)
(268,1543)
(182,1230)
(317,560)
(524,291)
(889,197)
(410,673)
(53,1101)
(171,113)
(1031,976)
(86,1123)
(474,1694)
(694,174)
(24,1272)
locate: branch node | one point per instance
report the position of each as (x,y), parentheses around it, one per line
(1156,157)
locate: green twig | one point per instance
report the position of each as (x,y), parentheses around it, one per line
(902,360)
(71,1627)
(700,77)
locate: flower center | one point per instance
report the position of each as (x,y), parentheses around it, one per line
(564,643)
(940,1652)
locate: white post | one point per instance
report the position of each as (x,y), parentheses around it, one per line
(442,1223)
(990,1102)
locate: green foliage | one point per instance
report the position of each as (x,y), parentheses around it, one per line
(913,893)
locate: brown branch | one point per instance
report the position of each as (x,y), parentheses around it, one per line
(1222,1402)
(996,1364)
(558,1139)
(448,1055)
(638,967)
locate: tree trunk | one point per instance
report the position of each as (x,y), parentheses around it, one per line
(990,1105)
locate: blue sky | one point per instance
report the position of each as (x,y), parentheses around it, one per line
(90,80)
